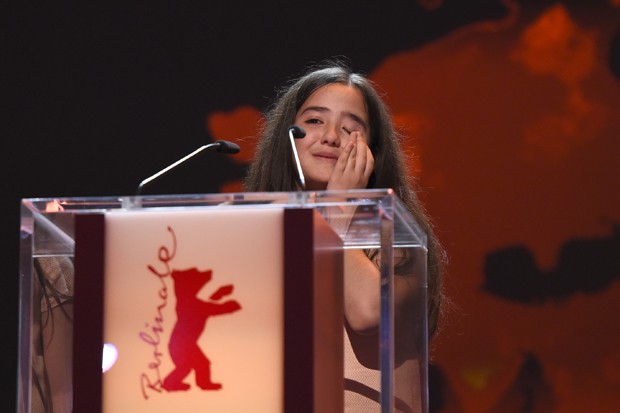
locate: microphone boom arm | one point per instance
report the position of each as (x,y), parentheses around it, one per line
(292,131)
(220,145)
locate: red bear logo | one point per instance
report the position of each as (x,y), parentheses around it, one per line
(192,314)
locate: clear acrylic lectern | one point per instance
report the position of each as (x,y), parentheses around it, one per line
(223,302)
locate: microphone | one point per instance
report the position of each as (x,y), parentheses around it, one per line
(225,147)
(296,132)
(220,146)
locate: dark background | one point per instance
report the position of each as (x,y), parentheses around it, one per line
(98,98)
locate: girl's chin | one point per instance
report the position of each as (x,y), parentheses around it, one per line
(312,185)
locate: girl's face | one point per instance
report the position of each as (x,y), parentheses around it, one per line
(329,116)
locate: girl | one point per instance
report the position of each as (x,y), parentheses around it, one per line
(350,143)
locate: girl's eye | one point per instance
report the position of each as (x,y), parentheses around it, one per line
(350,130)
(313,121)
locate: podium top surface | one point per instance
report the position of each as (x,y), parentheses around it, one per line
(367,211)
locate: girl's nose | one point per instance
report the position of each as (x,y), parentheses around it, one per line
(331,136)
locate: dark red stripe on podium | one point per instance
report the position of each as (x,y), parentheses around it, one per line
(298,311)
(88,314)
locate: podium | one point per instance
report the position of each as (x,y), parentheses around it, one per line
(219,302)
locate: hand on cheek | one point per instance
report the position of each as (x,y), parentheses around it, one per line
(354,166)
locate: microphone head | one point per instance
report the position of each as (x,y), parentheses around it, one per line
(227,147)
(297,131)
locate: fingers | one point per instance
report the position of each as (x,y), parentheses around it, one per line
(344,160)
(356,154)
(361,154)
(354,166)
(361,160)
(370,164)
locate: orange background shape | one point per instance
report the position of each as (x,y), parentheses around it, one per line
(512,129)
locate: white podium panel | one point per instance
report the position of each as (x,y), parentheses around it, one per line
(191,306)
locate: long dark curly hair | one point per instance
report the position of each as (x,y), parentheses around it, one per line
(384,141)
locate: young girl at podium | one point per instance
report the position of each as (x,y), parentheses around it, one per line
(349,143)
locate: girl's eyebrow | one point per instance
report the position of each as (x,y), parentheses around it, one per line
(315,108)
(350,115)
